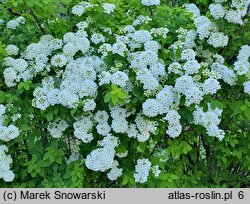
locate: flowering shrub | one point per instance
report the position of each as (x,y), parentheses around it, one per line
(128,93)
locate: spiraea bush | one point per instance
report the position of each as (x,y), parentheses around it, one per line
(124,93)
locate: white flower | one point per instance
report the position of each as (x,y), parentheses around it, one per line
(89,105)
(8,133)
(191,67)
(233,16)
(5,162)
(152,107)
(12,50)
(156,171)
(188,54)
(242,67)
(210,120)
(218,39)
(183,83)
(78,10)
(101,116)
(175,68)
(114,173)
(82,25)
(160,32)
(193,9)
(142,170)
(150,2)
(108,8)
(119,48)
(97,38)
(82,129)
(119,78)
(247,87)
(103,128)
(21,20)
(152,45)
(12,24)
(193,96)
(57,128)
(142,36)
(58,60)
(210,86)
(100,159)
(217,10)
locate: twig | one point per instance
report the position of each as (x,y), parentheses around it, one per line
(13,13)
(151,11)
(37,21)
(248,10)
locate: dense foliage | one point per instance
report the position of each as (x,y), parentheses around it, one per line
(124,93)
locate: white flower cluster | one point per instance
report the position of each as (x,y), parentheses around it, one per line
(174,126)
(115,172)
(139,21)
(247,87)
(217,11)
(12,50)
(233,13)
(73,76)
(102,159)
(119,122)
(156,170)
(83,129)
(13,24)
(142,128)
(165,100)
(210,120)
(159,32)
(57,128)
(104,49)
(119,78)
(108,8)
(150,2)
(33,60)
(7,133)
(149,67)
(193,9)
(102,127)
(16,116)
(224,72)
(242,65)
(80,8)
(89,105)
(5,162)
(142,169)
(97,38)
(210,86)
(208,29)
(75,154)
(185,85)
(77,83)
(218,39)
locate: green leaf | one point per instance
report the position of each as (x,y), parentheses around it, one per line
(114,99)
(20,85)
(26,86)
(247,113)
(49,116)
(243,107)
(107,97)
(15,3)
(216,104)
